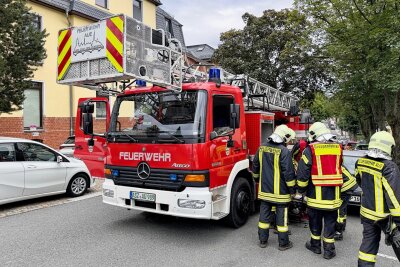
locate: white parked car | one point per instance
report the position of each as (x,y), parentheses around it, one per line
(29,169)
(67,148)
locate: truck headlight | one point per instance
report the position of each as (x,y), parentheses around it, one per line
(191,204)
(108,193)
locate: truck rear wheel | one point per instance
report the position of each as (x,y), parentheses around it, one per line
(240,203)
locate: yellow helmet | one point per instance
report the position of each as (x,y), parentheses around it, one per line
(285,133)
(383,141)
(316,130)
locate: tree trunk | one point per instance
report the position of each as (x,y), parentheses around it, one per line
(392,101)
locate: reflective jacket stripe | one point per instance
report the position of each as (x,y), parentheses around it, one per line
(277,174)
(396,211)
(372,215)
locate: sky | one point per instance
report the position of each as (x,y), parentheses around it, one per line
(204,20)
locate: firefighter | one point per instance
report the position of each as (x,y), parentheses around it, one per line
(348,187)
(319,176)
(297,151)
(380,182)
(274,167)
(299,209)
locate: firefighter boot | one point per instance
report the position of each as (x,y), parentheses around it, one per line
(329,250)
(314,246)
(339,227)
(263,235)
(284,243)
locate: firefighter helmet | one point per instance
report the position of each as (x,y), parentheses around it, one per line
(282,134)
(316,130)
(383,141)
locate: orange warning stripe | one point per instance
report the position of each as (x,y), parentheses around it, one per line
(64,52)
(115,42)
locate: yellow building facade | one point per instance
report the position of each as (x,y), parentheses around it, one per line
(49,109)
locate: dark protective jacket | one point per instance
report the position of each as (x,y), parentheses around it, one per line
(273,166)
(318,197)
(349,182)
(380,183)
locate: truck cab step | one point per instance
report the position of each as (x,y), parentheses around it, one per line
(219,215)
(218,198)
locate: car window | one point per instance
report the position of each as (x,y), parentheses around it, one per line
(35,152)
(350,163)
(70,140)
(7,152)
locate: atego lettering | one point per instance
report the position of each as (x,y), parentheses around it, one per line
(143,156)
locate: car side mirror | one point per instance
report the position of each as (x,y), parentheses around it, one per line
(234,122)
(59,159)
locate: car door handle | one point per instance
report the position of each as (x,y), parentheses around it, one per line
(31,167)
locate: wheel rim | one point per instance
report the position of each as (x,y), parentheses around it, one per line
(78,185)
(243,202)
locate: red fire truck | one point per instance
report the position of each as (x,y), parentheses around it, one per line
(173,148)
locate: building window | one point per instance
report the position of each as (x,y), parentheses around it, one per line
(33,106)
(101,112)
(37,22)
(102,3)
(168,26)
(137,10)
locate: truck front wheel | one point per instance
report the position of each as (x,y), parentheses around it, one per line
(240,203)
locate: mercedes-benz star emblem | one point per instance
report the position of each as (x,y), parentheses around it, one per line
(143,170)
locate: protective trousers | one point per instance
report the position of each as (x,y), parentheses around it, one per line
(317,218)
(370,243)
(266,217)
(342,214)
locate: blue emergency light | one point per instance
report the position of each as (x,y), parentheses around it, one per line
(214,75)
(140,83)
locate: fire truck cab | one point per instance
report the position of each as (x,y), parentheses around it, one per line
(177,153)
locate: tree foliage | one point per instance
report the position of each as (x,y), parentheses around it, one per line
(362,38)
(278,49)
(21,51)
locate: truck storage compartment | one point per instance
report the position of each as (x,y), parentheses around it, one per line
(259,125)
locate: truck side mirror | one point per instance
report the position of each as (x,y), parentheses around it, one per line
(87,123)
(234,122)
(87,107)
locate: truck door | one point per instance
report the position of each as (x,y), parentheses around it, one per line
(94,155)
(223,156)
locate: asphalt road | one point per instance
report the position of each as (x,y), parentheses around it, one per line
(89,233)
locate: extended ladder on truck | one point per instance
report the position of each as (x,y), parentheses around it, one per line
(121,49)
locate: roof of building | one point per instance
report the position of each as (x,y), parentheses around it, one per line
(201,51)
(81,8)
(177,32)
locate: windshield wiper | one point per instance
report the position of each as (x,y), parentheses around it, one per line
(181,141)
(127,135)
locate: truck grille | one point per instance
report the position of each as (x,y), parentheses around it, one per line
(158,179)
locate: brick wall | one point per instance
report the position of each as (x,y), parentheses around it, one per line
(54,133)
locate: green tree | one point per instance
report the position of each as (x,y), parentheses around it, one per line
(362,40)
(278,49)
(21,51)
(320,107)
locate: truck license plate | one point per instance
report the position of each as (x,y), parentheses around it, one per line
(355,199)
(143,196)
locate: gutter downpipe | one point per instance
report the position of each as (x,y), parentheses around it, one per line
(71,89)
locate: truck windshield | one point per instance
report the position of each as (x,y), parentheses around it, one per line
(161,117)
